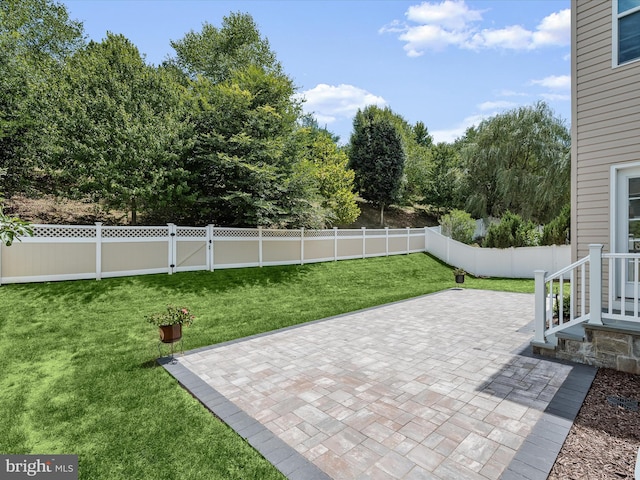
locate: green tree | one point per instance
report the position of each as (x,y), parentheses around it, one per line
(322,161)
(36,36)
(243,160)
(557,231)
(217,53)
(518,161)
(458,225)
(377,156)
(512,231)
(120,127)
(442,188)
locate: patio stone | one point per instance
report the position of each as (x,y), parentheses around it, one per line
(432,387)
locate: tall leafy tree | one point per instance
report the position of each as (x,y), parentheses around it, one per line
(119,127)
(377,156)
(442,190)
(36,36)
(242,163)
(324,166)
(216,53)
(518,161)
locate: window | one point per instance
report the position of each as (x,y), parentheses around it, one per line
(626,28)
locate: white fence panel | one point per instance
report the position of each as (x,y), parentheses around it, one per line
(496,262)
(63,252)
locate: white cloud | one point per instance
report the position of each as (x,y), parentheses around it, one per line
(434,26)
(452,15)
(555,97)
(555,29)
(513,37)
(498,105)
(511,93)
(554,82)
(450,135)
(330,103)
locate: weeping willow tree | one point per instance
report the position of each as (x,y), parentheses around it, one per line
(518,161)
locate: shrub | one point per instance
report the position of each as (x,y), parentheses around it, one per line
(458,225)
(557,231)
(512,231)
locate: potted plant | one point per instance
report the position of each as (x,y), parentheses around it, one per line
(170,321)
(459,274)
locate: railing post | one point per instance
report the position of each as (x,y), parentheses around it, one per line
(540,318)
(98,250)
(595,283)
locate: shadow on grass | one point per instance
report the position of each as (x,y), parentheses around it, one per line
(199,283)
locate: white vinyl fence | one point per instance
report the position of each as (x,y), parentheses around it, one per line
(70,252)
(518,262)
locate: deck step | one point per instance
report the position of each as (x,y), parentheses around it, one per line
(574,332)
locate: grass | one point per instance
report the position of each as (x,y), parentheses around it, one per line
(78,373)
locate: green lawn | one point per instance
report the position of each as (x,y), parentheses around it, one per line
(78,373)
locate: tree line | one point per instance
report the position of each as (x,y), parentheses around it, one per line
(216,134)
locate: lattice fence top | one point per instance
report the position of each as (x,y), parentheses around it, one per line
(64,231)
(350,232)
(397,231)
(319,233)
(135,232)
(194,232)
(235,232)
(281,233)
(375,233)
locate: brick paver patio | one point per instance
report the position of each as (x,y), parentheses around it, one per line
(432,387)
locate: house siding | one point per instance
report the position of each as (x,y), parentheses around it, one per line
(605,122)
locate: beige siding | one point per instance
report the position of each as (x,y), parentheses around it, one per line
(605,123)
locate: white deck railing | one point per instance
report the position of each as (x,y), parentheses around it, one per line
(584,283)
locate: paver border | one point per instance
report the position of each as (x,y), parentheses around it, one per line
(533,460)
(286,459)
(537,455)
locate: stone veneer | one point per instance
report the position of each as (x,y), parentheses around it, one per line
(604,346)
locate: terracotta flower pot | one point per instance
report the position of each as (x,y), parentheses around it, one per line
(170,333)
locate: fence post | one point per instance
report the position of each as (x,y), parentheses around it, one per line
(386,241)
(302,246)
(260,246)
(98,250)
(335,244)
(595,283)
(210,249)
(408,239)
(426,239)
(1,245)
(540,312)
(364,244)
(172,247)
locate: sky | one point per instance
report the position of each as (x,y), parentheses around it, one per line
(446,63)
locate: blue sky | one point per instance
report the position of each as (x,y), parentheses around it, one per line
(447,63)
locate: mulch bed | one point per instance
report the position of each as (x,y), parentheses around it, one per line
(604,440)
